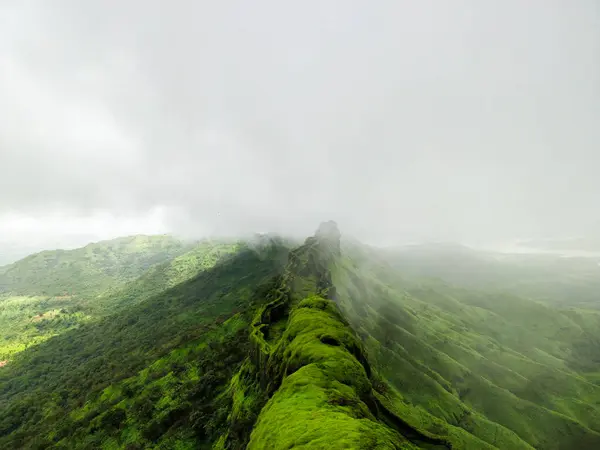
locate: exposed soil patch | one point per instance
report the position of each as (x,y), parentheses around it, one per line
(46,315)
(3,363)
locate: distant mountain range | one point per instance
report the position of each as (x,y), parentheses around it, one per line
(589,244)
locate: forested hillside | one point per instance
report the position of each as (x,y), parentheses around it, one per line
(329,344)
(51,292)
(89,270)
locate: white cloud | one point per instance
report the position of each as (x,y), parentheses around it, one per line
(395,118)
(64,230)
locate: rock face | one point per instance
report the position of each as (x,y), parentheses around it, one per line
(328,234)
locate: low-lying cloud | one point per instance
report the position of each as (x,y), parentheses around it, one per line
(400,120)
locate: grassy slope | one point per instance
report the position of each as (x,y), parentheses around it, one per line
(51,292)
(323,398)
(203,256)
(29,320)
(308,383)
(508,370)
(67,371)
(89,270)
(431,365)
(556,280)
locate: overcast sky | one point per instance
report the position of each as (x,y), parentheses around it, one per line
(401,120)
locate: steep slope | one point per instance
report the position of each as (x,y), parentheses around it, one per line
(308,383)
(164,373)
(43,388)
(28,320)
(203,256)
(253,345)
(506,369)
(557,280)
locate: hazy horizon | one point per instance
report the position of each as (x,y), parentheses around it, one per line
(402,121)
(14,252)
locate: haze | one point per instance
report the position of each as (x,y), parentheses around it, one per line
(464,120)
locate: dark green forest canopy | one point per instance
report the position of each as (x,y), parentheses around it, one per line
(327,344)
(93,282)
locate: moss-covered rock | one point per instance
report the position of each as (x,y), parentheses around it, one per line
(322,401)
(308,374)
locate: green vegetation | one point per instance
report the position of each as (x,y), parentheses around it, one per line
(52,292)
(28,321)
(312,382)
(322,400)
(205,255)
(560,281)
(229,345)
(165,405)
(80,275)
(72,369)
(90,270)
(509,370)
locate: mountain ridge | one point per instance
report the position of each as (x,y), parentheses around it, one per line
(300,341)
(325,344)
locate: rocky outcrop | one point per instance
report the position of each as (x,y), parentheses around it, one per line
(308,381)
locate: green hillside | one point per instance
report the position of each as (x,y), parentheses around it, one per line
(561,281)
(486,361)
(91,282)
(204,255)
(90,270)
(323,345)
(83,365)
